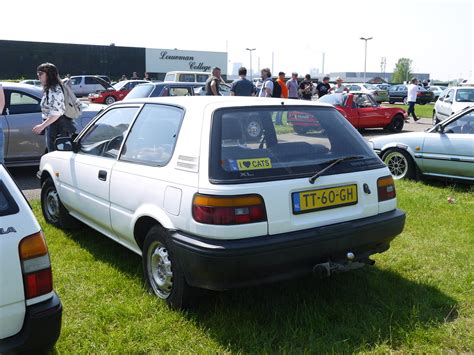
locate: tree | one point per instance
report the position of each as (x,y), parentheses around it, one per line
(402,71)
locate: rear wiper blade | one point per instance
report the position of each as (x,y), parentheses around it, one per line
(331,163)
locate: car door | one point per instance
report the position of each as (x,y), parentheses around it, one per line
(444,106)
(77,83)
(86,178)
(142,176)
(22,112)
(451,151)
(368,113)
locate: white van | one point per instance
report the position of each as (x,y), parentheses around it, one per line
(187,76)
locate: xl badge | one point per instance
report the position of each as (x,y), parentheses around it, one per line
(9,230)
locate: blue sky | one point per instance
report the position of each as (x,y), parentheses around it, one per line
(436,34)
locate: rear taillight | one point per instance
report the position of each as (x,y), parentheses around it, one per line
(36,266)
(228,210)
(386,188)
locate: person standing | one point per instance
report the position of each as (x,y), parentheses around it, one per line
(339,88)
(292,86)
(2,106)
(147,77)
(134,76)
(242,86)
(212,84)
(412,91)
(323,88)
(306,88)
(267,85)
(52,105)
(282,82)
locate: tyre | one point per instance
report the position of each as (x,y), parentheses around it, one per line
(391,102)
(109,100)
(253,130)
(53,209)
(162,271)
(434,119)
(397,124)
(301,129)
(405,102)
(400,164)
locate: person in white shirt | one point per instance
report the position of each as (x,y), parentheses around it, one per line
(411,98)
(267,86)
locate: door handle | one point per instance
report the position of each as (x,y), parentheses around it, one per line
(102,175)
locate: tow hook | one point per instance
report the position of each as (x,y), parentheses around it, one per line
(328,268)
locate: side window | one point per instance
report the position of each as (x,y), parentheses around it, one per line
(202,78)
(188,78)
(463,125)
(90,80)
(449,95)
(105,137)
(23,103)
(153,136)
(76,80)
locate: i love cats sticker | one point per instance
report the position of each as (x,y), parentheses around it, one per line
(254,164)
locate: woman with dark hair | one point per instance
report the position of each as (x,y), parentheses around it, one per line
(54,122)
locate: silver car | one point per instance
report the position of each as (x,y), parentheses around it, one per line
(21,113)
(445,150)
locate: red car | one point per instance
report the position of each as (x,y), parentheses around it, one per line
(110,94)
(360,109)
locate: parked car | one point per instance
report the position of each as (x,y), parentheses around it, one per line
(360,109)
(378,94)
(30,309)
(162,89)
(437,91)
(385,87)
(187,76)
(31,82)
(444,151)
(224,90)
(176,180)
(453,100)
(398,93)
(21,113)
(83,85)
(114,93)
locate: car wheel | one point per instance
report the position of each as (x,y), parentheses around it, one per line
(301,129)
(163,272)
(109,100)
(400,164)
(253,130)
(53,209)
(434,120)
(397,124)
(391,102)
(405,102)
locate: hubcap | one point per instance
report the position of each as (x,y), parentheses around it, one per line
(160,273)
(397,164)
(52,205)
(109,100)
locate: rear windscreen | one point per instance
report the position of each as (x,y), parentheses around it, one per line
(140,91)
(8,205)
(258,143)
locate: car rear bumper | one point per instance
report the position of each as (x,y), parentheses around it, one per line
(220,265)
(40,331)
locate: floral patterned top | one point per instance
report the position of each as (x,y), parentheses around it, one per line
(52,102)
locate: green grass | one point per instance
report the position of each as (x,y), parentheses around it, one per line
(420,110)
(417,298)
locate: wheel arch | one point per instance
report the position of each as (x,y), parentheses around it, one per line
(143,222)
(399,146)
(47,172)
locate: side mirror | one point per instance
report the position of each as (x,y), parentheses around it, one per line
(441,99)
(449,101)
(64,144)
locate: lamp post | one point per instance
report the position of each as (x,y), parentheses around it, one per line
(250,50)
(365,59)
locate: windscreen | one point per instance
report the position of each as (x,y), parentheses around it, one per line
(261,143)
(140,91)
(465,95)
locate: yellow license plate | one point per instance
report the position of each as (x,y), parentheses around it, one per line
(322,199)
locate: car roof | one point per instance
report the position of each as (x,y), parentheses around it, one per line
(221,101)
(25,87)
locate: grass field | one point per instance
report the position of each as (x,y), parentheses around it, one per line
(420,110)
(417,298)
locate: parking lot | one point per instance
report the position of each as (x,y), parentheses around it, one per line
(29,184)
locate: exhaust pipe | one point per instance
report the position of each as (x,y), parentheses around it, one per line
(328,268)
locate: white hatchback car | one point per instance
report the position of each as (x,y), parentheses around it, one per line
(30,310)
(179,181)
(453,100)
